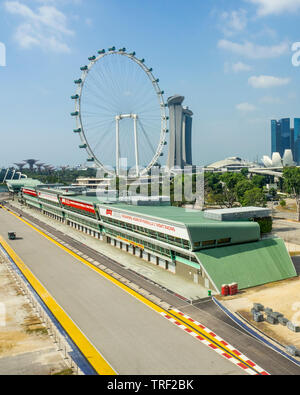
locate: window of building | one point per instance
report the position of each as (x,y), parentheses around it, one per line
(208,243)
(224,241)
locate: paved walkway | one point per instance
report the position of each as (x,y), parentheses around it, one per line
(154,273)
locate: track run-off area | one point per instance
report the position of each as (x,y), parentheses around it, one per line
(118,330)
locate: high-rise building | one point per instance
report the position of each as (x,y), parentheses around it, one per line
(275,136)
(180,125)
(297,140)
(187,136)
(286,138)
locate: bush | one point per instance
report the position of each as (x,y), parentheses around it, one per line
(266,224)
(282,203)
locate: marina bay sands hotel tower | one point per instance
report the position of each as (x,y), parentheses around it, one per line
(180,125)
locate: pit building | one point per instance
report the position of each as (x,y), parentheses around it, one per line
(208,248)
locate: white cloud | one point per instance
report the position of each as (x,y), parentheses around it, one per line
(245,107)
(236,67)
(270,100)
(269,7)
(46,27)
(240,66)
(267,81)
(233,22)
(253,51)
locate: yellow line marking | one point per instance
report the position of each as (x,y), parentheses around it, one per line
(96,269)
(100,365)
(208,336)
(294,253)
(127,289)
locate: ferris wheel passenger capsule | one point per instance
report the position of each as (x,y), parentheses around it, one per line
(77,130)
(132,54)
(75,114)
(102,51)
(83,146)
(122,50)
(142,60)
(78,81)
(90,160)
(112,49)
(91,58)
(83,68)
(75,97)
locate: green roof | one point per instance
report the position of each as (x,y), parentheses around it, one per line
(16,185)
(82,198)
(199,227)
(249,265)
(169,213)
(26,182)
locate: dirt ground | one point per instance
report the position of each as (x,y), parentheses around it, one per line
(25,347)
(282,297)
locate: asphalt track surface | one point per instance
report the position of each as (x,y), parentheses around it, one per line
(132,337)
(206,312)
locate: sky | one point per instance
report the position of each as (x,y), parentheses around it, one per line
(232,60)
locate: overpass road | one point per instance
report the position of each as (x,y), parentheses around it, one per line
(132,337)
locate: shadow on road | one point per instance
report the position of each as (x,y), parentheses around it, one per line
(296,261)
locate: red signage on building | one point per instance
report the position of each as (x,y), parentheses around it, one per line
(29,192)
(78,205)
(108,212)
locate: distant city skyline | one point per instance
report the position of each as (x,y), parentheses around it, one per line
(284,137)
(232,61)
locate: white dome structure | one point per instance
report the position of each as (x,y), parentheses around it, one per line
(277,161)
(267,161)
(230,164)
(288,159)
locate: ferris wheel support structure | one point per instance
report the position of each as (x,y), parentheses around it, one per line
(79,117)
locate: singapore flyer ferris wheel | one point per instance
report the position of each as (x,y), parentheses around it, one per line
(120,113)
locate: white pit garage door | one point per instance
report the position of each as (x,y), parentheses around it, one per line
(153,259)
(171,267)
(145,255)
(162,263)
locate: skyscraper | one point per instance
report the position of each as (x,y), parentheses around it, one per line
(286,138)
(297,140)
(275,136)
(286,135)
(187,136)
(180,125)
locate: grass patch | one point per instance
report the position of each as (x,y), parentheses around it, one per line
(37,331)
